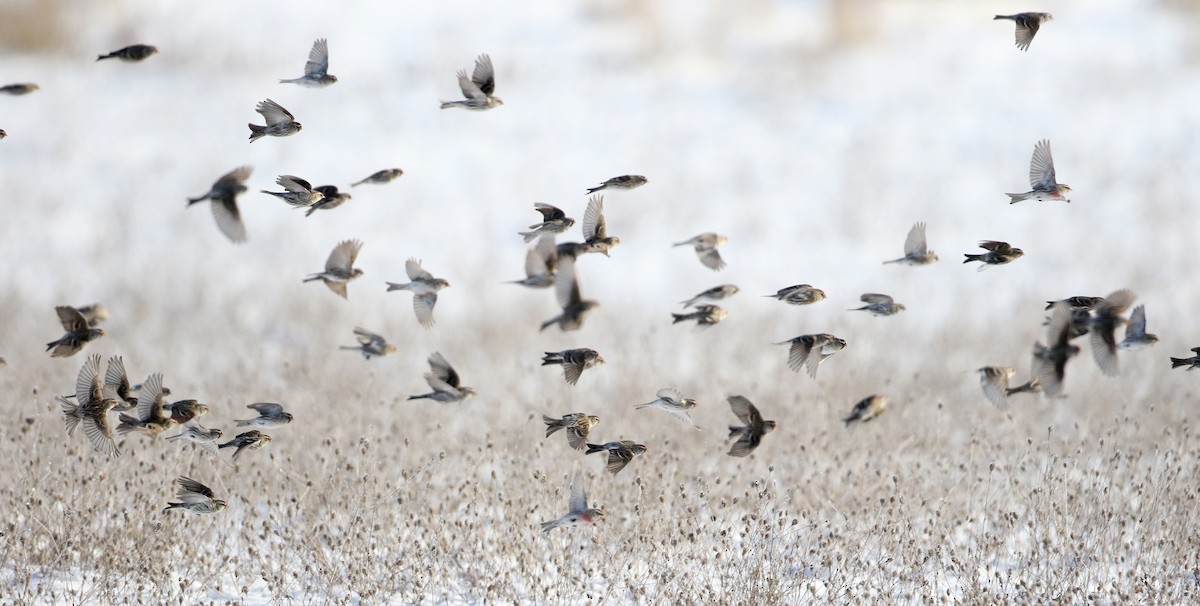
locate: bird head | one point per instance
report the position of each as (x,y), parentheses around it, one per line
(768,426)
(468,391)
(356,272)
(218,505)
(593,419)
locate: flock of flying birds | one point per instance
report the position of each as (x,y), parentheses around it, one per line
(552,264)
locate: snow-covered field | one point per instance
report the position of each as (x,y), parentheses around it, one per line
(812,134)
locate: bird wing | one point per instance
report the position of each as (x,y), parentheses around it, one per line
(342,257)
(996,247)
(115,376)
(572,371)
(915,244)
(229,218)
(191,491)
(366,337)
(1041,168)
(995,387)
(267,409)
(99,433)
(442,370)
(578,502)
(423,307)
(1116,302)
(274,113)
(470,90)
(745,411)
(87,385)
(413,268)
(72,321)
(1137,323)
(711,258)
(1026,29)
(670,394)
(549,212)
(484,75)
(318,59)
(566,286)
(150,405)
(294,184)
(593,219)
(875,298)
(234,177)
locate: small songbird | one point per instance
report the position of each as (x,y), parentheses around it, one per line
(280,122)
(577,426)
(478,88)
(578,513)
(424,288)
(869,408)
(573,362)
(184,411)
(566,289)
(316,68)
(809,351)
(714,294)
(224,202)
(248,440)
(998,253)
(1192,363)
(95,314)
(706,245)
(91,409)
(339,267)
(994,381)
(554,221)
(619,453)
(1136,336)
(386,175)
(1041,177)
(879,305)
(537,264)
(671,400)
(299,193)
(444,381)
(1050,362)
(78,333)
(622,182)
(1027,26)
(18,89)
(131,54)
(916,251)
(331,199)
(595,233)
(270,415)
(750,435)
(799,294)
(195,497)
(370,344)
(705,316)
(152,419)
(200,436)
(1106,316)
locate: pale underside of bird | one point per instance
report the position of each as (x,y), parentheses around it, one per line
(672,402)
(339,267)
(224,203)
(1042,179)
(424,288)
(916,250)
(578,513)
(316,68)
(479,88)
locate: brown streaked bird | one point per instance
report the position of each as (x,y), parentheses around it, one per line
(280,122)
(879,305)
(706,245)
(298,193)
(78,333)
(152,419)
(1106,317)
(573,362)
(622,182)
(537,264)
(714,294)
(998,253)
(868,409)
(1027,26)
(1136,336)
(270,415)
(224,202)
(18,89)
(1049,363)
(579,513)
(380,177)
(1192,363)
(619,453)
(331,198)
(339,267)
(370,344)
(566,289)
(130,54)
(1042,178)
(671,401)
(706,316)
(91,409)
(994,382)
(799,294)
(595,233)
(424,288)
(554,221)
(808,351)
(184,411)
(248,440)
(316,68)
(916,251)
(444,381)
(750,435)
(195,497)
(577,426)
(479,88)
